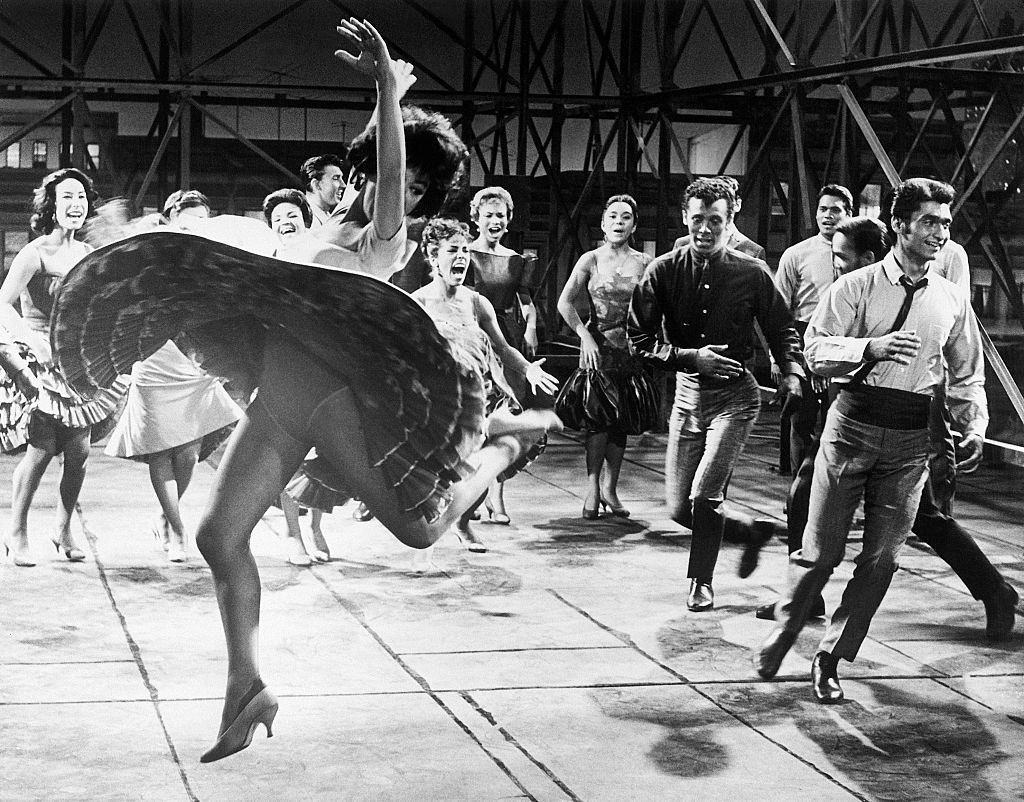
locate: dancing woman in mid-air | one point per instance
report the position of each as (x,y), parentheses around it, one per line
(344,362)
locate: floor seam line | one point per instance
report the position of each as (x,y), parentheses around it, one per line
(134,648)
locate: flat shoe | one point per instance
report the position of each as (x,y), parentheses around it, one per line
(701,597)
(1001,612)
(825,680)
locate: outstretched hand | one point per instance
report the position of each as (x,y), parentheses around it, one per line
(373,58)
(541,379)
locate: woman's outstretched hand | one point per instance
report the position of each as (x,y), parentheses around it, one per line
(373,58)
(541,379)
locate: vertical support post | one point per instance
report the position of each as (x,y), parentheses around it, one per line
(468,30)
(524,86)
(557,277)
(185,124)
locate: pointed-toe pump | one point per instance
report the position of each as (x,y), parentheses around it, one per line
(262,709)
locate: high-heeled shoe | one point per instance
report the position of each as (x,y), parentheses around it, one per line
(176,548)
(261,709)
(161,541)
(316,546)
(468,536)
(499,518)
(590,514)
(618,511)
(19,557)
(72,553)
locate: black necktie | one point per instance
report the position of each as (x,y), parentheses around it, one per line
(911,289)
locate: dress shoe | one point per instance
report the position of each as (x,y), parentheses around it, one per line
(362,513)
(468,536)
(773,650)
(19,557)
(496,516)
(1001,611)
(825,680)
(766,612)
(71,552)
(615,509)
(759,532)
(701,597)
(261,709)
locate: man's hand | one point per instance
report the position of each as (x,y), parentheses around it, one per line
(968,453)
(899,346)
(404,78)
(790,390)
(710,362)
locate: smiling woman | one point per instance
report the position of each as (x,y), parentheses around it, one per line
(56,419)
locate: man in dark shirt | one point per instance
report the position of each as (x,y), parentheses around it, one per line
(693,312)
(737,240)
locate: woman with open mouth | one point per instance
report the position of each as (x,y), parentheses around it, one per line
(57,420)
(468,321)
(606,277)
(506,279)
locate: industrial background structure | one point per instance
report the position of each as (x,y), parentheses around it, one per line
(562,101)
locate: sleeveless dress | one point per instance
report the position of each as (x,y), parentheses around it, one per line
(472,348)
(500,278)
(620,395)
(422,412)
(172,402)
(56,398)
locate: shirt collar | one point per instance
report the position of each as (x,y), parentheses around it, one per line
(893,272)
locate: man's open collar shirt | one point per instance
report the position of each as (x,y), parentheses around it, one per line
(684,302)
(863,304)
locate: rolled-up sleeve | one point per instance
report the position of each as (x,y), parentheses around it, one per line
(645,329)
(828,348)
(965,373)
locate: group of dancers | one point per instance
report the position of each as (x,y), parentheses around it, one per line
(334,383)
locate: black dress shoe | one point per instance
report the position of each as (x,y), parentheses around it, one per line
(773,650)
(362,513)
(1001,611)
(759,532)
(766,612)
(825,680)
(701,598)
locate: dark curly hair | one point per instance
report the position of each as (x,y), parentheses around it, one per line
(431,146)
(710,190)
(908,196)
(275,199)
(44,198)
(437,230)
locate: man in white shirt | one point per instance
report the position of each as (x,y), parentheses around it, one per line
(805,273)
(875,440)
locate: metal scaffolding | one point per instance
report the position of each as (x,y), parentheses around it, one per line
(578,92)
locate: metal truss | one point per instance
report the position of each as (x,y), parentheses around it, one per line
(584,94)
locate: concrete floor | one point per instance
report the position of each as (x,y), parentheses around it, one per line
(561,665)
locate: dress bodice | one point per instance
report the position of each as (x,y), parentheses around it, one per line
(37,297)
(610,290)
(499,277)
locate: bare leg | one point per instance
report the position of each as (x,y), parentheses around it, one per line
(613,454)
(321,552)
(596,445)
(297,554)
(27,475)
(338,434)
(76,454)
(259,461)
